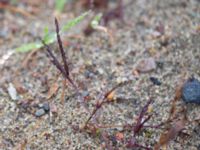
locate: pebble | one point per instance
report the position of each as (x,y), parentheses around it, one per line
(40,112)
(85,93)
(12,91)
(146,65)
(160,64)
(88,74)
(155,81)
(46,106)
(191,91)
(100,71)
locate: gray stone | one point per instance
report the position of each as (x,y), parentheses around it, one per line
(39,112)
(85,93)
(146,65)
(46,106)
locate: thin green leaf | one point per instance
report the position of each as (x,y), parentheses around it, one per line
(51,37)
(29,46)
(74,22)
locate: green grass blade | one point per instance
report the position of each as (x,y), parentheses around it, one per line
(51,37)
(29,47)
(75,21)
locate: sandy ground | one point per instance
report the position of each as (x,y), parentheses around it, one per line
(97,65)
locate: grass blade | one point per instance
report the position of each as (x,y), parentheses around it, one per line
(51,37)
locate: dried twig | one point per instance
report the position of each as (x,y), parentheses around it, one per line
(16,10)
(61,49)
(176,98)
(141,121)
(104,100)
(175,129)
(136,128)
(64,69)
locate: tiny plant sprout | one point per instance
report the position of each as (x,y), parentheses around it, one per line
(50,37)
(96,21)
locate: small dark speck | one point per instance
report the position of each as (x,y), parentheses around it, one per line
(46,106)
(160,64)
(155,81)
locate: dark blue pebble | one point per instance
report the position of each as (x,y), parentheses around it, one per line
(191,91)
(155,81)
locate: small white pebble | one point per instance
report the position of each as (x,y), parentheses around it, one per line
(12,91)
